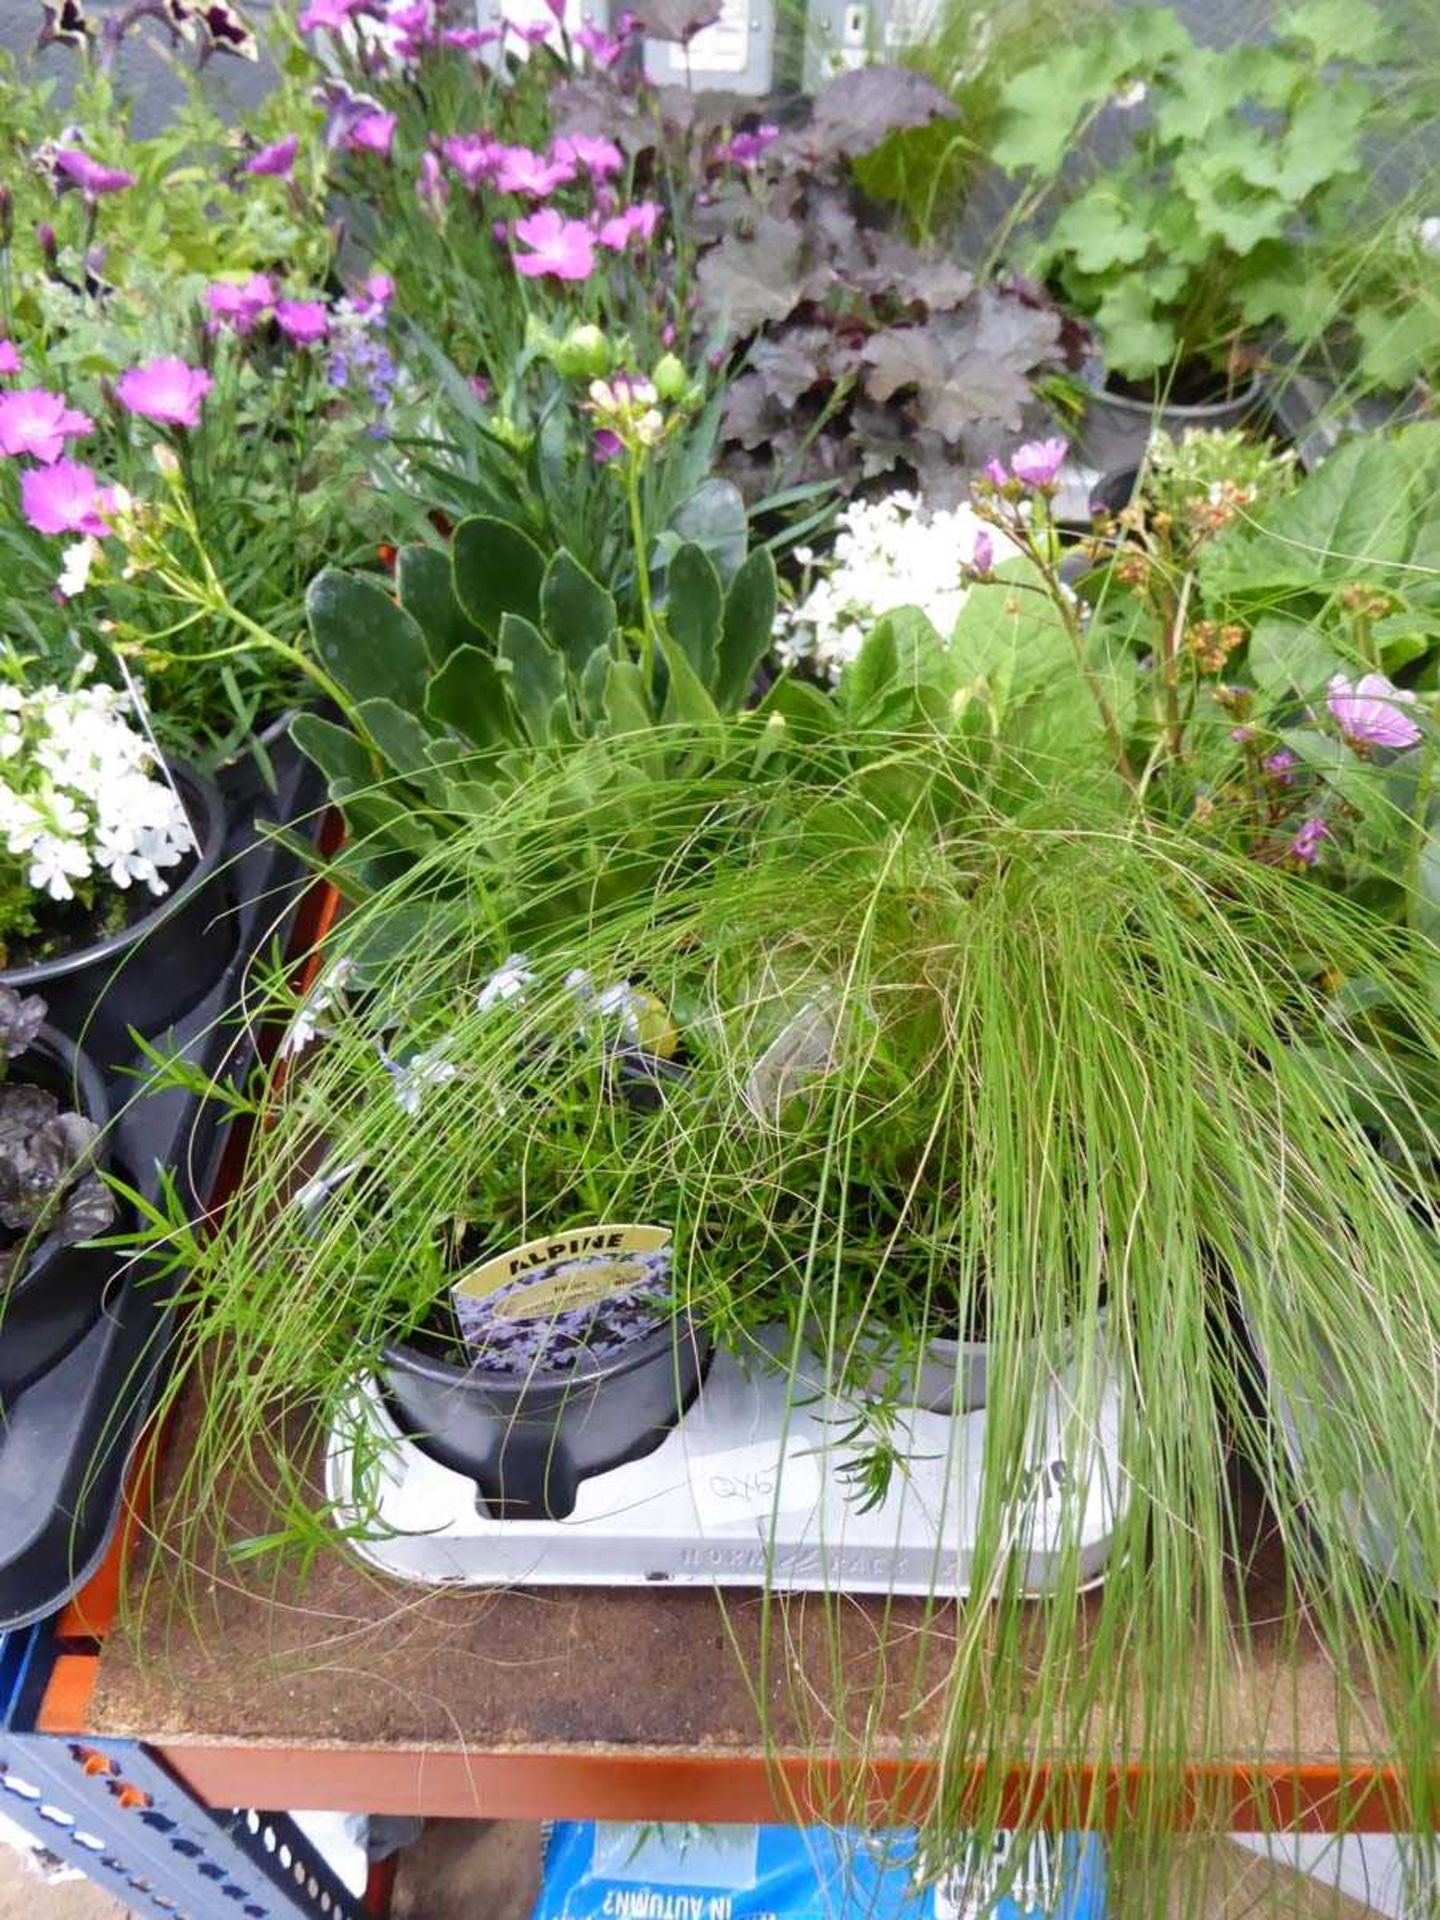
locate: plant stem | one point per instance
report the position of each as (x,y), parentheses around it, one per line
(642,570)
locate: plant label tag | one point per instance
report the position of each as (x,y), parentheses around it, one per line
(752,1483)
(568,1281)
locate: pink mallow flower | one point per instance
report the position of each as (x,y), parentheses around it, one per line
(635,223)
(1281,765)
(65,498)
(604,49)
(276,161)
(518,170)
(1038,462)
(9,357)
(166,390)
(982,555)
(599,157)
(37,424)
(744,149)
(564,248)
(371,133)
(1369,714)
(303,321)
(83,170)
(240,305)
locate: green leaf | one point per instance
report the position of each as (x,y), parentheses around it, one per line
(592,684)
(687,703)
(412,750)
(627,705)
(713,518)
(498,570)
(809,714)
(1138,337)
(371,647)
(1287,658)
(1424,912)
(871,675)
(748,626)
(694,607)
(469,693)
(1337,29)
(1338,767)
(576,611)
(342,758)
(537,674)
(1099,231)
(426,584)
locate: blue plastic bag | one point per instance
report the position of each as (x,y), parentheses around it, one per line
(622,1871)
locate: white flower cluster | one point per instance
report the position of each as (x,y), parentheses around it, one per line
(888,554)
(79,796)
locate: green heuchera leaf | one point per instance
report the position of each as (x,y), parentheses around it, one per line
(498,570)
(371,647)
(1138,337)
(577,613)
(537,675)
(694,608)
(1337,29)
(748,625)
(426,584)
(1098,231)
(469,694)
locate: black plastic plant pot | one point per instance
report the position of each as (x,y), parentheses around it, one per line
(153,971)
(1116,427)
(56,1295)
(1114,491)
(528,1440)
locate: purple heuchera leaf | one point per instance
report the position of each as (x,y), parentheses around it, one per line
(859,110)
(1370,712)
(21,1017)
(676,20)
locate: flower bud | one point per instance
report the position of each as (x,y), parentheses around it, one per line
(584,354)
(670,379)
(7,216)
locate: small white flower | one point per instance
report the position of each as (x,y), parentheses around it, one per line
(506,983)
(309,1020)
(54,863)
(1131,96)
(75,564)
(1429,233)
(409,1080)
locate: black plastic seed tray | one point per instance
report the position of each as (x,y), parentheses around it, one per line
(67,1439)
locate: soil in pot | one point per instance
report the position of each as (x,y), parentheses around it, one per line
(50,1288)
(576,1364)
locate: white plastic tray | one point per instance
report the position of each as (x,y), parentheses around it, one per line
(748,1490)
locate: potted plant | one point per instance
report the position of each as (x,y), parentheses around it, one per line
(52,1196)
(112,898)
(1182,248)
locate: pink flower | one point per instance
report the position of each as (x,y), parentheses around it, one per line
(432,187)
(635,223)
(303,321)
(1368,713)
(9,357)
(330,15)
(278,160)
(605,446)
(469,39)
(480,387)
(1281,765)
(982,557)
(598,157)
(1305,847)
(64,498)
(564,248)
(82,170)
(996,472)
(239,306)
(380,289)
(532,32)
(604,50)
(474,156)
(744,149)
(1038,462)
(38,423)
(165,390)
(518,170)
(371,133)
